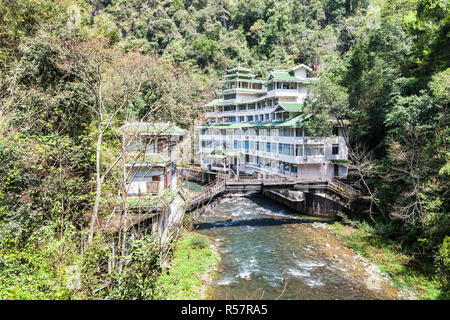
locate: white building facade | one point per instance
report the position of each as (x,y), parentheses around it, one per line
(151,157)
(259,127)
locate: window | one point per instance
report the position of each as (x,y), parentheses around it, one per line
(298,150)
(314,151)
(229,108)
(286,149)
(335,149)
(229,96)
(273,147)
(285,132)
(335,131)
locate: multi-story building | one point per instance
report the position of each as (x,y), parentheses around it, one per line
(259,127)
(151,157)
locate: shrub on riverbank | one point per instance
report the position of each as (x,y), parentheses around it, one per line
(192,262)
(406,273)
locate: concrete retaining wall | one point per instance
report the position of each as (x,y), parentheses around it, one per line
(297,205)
(321,204)
(314,204)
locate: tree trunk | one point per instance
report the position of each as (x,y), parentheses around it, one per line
(99,188)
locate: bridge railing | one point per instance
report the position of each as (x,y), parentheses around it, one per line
(209,191)
(334,183)
(344,186)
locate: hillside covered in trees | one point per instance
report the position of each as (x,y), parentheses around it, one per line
(69,66)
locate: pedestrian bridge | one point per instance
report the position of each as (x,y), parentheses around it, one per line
(335,190)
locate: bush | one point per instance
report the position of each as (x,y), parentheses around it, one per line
(444,259)
(199,242)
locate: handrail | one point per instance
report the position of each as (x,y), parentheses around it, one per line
(212,189)
(219,185)
(344,186)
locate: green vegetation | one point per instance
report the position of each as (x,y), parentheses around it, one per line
(193,259)
(157,200)
(72,72)
(407,272)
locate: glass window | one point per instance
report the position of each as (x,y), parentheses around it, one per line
(335,149)
(314,151)
(335,131)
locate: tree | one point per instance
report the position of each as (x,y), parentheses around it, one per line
(114,79)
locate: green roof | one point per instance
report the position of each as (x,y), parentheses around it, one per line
(239,68)
(145,159)
(282,76)
(297,121)
(239,90)
(291,106)
(286,75)
(240,74)
(243,79)
(148,200)
(151,128)
(220,102)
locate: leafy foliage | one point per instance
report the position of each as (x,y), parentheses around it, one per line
(383,66)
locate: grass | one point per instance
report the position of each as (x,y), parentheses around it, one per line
(408,277)
(192,258)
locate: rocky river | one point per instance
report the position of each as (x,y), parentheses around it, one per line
(269,252)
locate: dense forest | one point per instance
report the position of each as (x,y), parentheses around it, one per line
(72,71)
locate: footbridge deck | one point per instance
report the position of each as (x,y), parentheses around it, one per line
(234,185)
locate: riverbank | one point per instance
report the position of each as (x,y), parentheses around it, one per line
(383,260)
(190,270)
